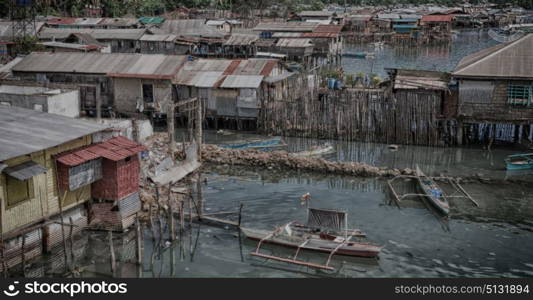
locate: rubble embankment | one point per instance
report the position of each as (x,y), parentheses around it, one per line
(285,160)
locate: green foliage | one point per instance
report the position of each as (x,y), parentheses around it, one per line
(26,45)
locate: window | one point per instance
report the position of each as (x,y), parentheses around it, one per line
(148,93)
(519,94)
(18,190)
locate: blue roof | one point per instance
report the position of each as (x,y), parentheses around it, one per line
(409,20)
(404,26)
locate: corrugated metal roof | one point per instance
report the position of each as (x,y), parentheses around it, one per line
(437,18)
(320,34)
(286,26)
(115,149)
(191,28)
(511,60)
(24,131)
(151,20)
(315,13)
(329,28)
(238,39)
(241,81)
(286,34)
(388,16)
(157,66)
(158,38)
(61,21)
(70,46)
(99,34)
(294,43)
(215,22)
(119,22)
(25,170)
(362,18)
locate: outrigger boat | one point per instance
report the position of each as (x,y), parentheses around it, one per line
(256,144)
(519,161)
(324,232)
(317,150)
(433,193)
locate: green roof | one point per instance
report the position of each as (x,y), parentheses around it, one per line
(151,20)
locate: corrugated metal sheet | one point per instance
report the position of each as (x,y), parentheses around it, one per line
(151,20)
(315,13)
(60,21)
(320,34)
(69,46)
(215,22)
(286,26)
(207,79)
(99,34)
(329,28)
(119,22)
(116,148)
(286,34)
(158,38)
(294,43)
(388,16)
(359,18)
(24,131)
(511,60)
(157,66)
(437,18)
(237,39)
(25,170)
(191,28)
(239,81)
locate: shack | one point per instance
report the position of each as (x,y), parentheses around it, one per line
(120,40)
(29,195)
(240,46)
(495,86)
(122,83)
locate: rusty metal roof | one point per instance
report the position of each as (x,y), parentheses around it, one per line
(191,28)
(437,18)
(329,28)
(316,13)
(286,26)
(156,66)
(294,43)
(99,34)
(238,39)
(114,149)
(510,60)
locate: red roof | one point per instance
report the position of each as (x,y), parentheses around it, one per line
(437,18)
(114,149)
(329,28)
(319,34)
(59,21)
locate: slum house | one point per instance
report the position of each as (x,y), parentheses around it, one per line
(240,45)
(122,83)
(357,24)
(194,37)
(432,85)
(230,89)
(29,196)
(69,47)
(160,44)
(295,49)
(437,28)
(221,25)
(383,22)
(120,40)
(495,86)
(405,28)
(326,39)
(317,16)
(56,100)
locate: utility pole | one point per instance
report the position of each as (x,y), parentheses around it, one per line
(170,127)
(199,133)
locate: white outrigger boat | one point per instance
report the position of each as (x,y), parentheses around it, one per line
(323,233)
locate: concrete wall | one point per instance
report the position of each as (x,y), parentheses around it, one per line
(66,104)
(128,90)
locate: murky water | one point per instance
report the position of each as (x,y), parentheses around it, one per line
(424,57)
(494,239)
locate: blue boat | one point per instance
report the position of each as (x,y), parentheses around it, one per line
(256,144)
(361,55)
(519,161)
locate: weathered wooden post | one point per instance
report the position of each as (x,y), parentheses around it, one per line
(112,251)
(98,104)
(139,240)
(170,127)
(199,133)
(240,215)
